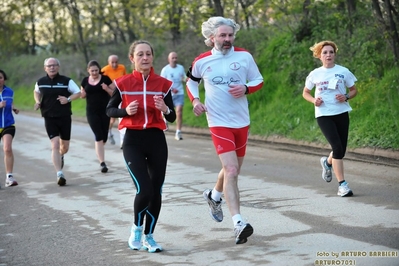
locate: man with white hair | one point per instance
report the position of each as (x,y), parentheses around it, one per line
(229,74)
(53,95)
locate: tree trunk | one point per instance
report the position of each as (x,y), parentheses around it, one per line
(389,26)
(351,6)
(393,31)
(304,29)
(218,8)
(31,6)
(75,14)
(244,7)
(174,17)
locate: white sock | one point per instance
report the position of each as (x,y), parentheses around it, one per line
(59,173)
(236,219)
(9,174)
(216,195)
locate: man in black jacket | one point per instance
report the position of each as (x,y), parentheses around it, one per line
(53,95)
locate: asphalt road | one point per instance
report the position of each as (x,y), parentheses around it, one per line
(297,217)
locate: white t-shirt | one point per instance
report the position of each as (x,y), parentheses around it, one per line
(330,82)
(176,75)
(218,71)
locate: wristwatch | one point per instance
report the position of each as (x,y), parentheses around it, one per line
(347,97)
(69,99)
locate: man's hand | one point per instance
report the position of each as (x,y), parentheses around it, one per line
(37,106)
(198,107)
(238,90)
(62,99)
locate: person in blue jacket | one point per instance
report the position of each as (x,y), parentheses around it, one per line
(7,127)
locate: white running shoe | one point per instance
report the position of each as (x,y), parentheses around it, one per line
(150,244)
(344,190)
(215,207)
(135,237)
(10,181)
(242,231)
(326,174)
(178,136)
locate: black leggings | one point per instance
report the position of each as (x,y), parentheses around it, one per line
(146,154)
(335,128)
(99,124)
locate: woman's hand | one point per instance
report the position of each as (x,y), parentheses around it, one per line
(131,109)
(340,98)
(104,86)
(318,101)
(160,104)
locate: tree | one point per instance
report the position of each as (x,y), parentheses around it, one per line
(245,6)
(75,13)
(217,7)
(304,29)
(174,16)
(31,16)
(387,15)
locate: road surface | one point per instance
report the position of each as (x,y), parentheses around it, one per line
(297,217)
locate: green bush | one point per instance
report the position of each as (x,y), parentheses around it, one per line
(278,109)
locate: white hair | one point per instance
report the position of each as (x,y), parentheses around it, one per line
(47,59)
(210,27)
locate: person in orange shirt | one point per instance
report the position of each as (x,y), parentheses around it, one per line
(114,70)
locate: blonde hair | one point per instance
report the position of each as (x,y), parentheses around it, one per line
(210,27)
(317,47)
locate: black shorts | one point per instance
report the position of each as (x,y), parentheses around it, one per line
(7,130)
(58,126)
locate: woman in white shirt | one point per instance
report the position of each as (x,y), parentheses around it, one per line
(335,85)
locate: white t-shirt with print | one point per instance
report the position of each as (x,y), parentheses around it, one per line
(330,82)
(218,71)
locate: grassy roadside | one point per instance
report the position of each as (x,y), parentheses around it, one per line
(278,109)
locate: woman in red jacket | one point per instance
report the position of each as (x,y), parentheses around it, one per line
(145,99)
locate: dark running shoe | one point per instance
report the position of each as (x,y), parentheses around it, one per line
(242,231)
(104,168)
(61,181)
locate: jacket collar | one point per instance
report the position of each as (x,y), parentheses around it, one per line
(139,75)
